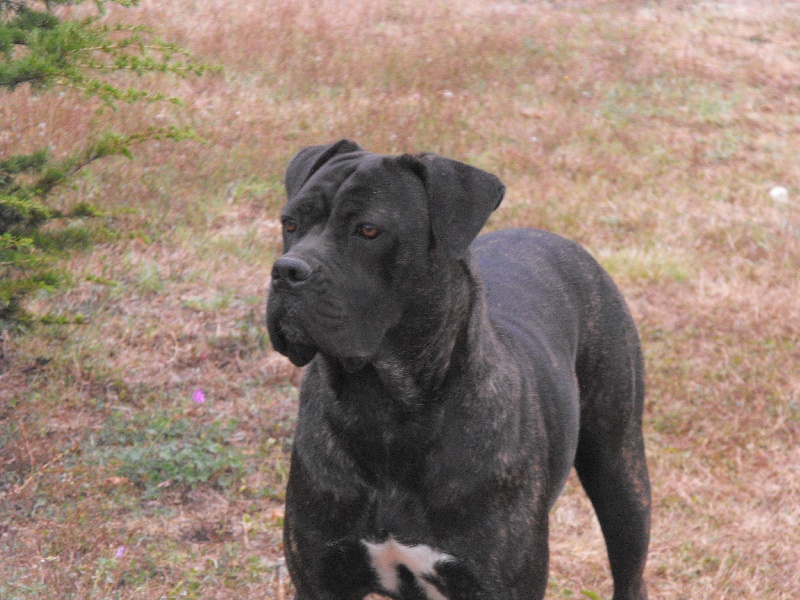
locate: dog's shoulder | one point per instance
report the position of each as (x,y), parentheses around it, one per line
(509,248)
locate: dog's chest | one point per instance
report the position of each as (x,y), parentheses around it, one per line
(407,571)
(387,440)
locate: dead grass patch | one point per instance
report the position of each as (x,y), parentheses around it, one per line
(650,132)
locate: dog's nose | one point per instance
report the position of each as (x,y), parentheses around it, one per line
(289,270)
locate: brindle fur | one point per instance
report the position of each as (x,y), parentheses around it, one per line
(451,384)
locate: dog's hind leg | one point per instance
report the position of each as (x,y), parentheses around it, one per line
(618,487)
(610,458)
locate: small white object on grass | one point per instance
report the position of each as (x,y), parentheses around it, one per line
(780,194)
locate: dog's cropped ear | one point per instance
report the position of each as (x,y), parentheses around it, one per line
(306,162)
(460,200)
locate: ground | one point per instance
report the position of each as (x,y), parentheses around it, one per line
(651,132)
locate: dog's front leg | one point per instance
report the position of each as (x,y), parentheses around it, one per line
(340,571)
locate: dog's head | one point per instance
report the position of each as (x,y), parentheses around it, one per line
(361,235)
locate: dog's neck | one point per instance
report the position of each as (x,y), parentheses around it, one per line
(393,409)
(450,332)
(437,324)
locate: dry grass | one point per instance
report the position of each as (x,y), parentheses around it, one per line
(652,132)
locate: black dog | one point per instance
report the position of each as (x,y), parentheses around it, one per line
(452,385)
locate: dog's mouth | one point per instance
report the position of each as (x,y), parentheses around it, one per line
(287,334)
(301,349)
(290,336)
(297,349)
(353,364)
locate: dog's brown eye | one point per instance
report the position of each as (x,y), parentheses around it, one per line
(289,226)
(368,231)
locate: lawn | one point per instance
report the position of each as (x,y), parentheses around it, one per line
(146,423)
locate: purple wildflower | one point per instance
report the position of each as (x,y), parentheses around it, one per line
(199,396)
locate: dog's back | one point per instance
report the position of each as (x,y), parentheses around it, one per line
(575,337)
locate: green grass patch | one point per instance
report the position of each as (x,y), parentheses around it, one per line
(652,264)
(161,449)
(668,98)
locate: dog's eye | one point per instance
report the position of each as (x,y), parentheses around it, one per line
(289,225)
(368,231)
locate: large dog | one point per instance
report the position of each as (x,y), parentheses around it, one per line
(453,382)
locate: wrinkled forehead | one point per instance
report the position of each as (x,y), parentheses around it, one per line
(361,179)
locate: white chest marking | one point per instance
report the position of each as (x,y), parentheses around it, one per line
(420,560)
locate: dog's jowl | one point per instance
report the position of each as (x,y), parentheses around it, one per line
(453,381)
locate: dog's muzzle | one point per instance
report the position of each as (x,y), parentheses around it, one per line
(289,274)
